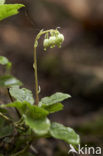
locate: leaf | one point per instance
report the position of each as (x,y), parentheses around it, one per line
(9,80)
(26,108)
(6,130)
(22,94)
(39,126)
(3,60)
(36,112)
(53,99)
(34,116)
(21,106)
(67,134)
(52,103)
(54,108)
(2,1)
(7,10)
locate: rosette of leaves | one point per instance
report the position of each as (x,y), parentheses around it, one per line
(35,121)
(36,117)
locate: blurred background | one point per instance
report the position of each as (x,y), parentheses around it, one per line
(76,68)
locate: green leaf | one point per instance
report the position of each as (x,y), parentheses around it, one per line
(21,106)
(52,103)
(26,108)
(39,126)
(7,10)
(54,108)
(6,62)
(8,81)
(53,99)
(6,131)
(36,112)
(22,94)
(3,60)
(67,134)
(2,1)
(34,116)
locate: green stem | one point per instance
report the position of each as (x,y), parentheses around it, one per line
(9,120)
(5,117)
(42,33)
(36,78)
(35,63)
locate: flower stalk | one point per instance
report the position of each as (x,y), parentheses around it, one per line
(36,78)
(56,38)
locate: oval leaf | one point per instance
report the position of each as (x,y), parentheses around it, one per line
(3,60)
(22,94)
(67,134)
(39,126)
(9,81)
(53,99)
(54,108)
(36,112)
(26,108)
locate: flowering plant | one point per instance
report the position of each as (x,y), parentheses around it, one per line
(31,121)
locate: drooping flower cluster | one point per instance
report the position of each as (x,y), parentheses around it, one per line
(55,39)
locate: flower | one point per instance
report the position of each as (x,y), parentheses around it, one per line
(55,38)
(60,38)
(46,43)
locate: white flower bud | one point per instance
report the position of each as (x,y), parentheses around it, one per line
(46,43)
(52,40)
(60,38)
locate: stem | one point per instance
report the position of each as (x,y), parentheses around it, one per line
(35,63)
(9,120)
(36,78)
(5,117)
(9,95)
